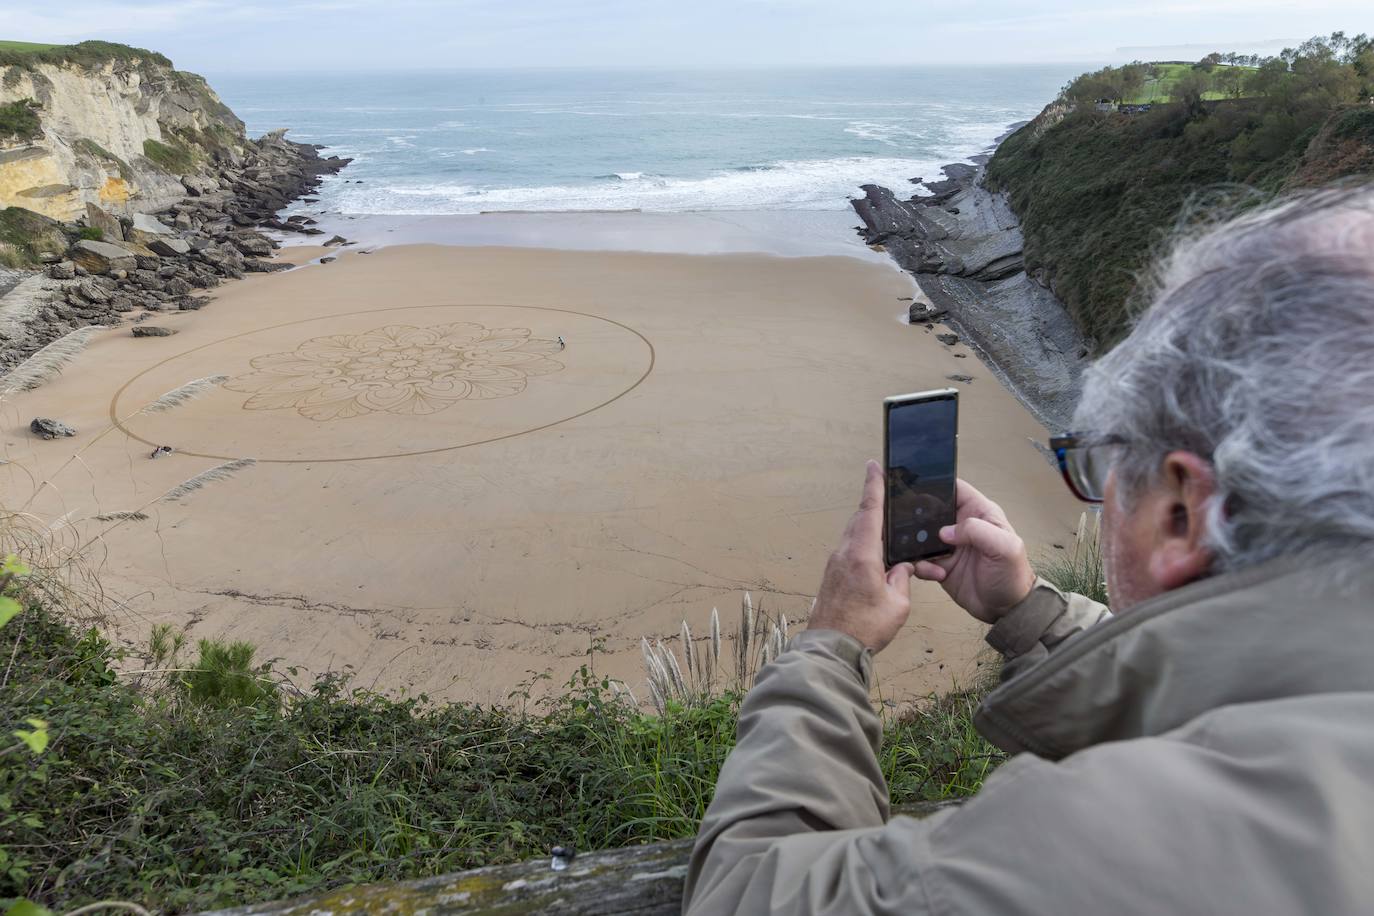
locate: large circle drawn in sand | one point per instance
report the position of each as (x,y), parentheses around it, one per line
(387,383)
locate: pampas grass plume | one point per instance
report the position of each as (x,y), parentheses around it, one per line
(48,361)
(178,396)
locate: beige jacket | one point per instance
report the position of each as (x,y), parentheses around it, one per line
(1211,751)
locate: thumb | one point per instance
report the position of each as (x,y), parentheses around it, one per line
(899,579)
(992,542)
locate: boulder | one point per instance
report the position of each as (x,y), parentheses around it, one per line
(252,244)
(257,265)
(102,257)
(62,270)
(110,229)
(144,330)
(47,428)
(199,185)
(336,240)
(947,339)
(150,224)
(92,291)
(170,246)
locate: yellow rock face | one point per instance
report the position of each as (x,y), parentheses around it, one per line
(35,180)
(114,191)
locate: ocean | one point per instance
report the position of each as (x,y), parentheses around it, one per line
(465,142)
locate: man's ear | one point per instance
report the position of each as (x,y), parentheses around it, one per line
(1179,554)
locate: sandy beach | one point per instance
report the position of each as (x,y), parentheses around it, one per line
(703,434)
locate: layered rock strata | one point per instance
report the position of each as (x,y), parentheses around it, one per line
(963,245)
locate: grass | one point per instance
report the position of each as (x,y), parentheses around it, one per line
(175,157)
(26,47)
(85,53)
(1080,569)
(95,150)
(28,234)
(1157,90)
(192,783)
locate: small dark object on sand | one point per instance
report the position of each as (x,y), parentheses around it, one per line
(966,379)
(327,260)
(950,339)
(160,451)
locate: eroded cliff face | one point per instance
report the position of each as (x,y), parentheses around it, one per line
(121,135)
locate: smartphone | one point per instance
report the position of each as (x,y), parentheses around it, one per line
(920,448)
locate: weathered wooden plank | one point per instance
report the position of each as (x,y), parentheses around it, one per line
(633,881)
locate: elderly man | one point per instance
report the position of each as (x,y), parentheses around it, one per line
(1208,748)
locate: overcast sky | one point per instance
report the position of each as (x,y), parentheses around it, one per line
(233,35)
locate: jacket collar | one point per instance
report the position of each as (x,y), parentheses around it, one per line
(1285,628)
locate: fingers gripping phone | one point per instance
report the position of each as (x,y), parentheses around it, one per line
(920,448)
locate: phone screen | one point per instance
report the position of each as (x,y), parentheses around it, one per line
(922,438)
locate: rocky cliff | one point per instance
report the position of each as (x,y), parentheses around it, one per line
(963,245)
(135,185)
(120,132)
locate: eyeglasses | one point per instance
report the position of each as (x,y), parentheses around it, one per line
(1084,466)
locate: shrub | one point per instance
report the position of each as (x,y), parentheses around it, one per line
(29,235)
(90,233)
(19,120)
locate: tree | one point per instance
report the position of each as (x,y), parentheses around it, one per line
(1269,78)
(1230,80)
(1208,63)
(1190,89)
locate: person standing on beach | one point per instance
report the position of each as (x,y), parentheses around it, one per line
(561,344)
(1206,746)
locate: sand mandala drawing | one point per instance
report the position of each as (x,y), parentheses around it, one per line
(397,369)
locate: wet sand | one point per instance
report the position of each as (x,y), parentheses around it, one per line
(702,434)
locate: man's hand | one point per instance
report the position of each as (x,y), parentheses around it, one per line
(988,572)
(857,596)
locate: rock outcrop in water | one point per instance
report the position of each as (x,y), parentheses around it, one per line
(963,245)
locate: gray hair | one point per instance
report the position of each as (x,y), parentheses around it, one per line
(1257,353)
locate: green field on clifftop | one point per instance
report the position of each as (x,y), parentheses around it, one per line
(1098,193)
(28,53)
(25,46)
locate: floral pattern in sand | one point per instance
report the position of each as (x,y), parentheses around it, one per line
(397,369)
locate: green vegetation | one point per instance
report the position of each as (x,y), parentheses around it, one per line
(26,46)
(176,157)
(91,148)
(25,236)
(90,233)
(19,120)
(1097,192)
(86,53)
(1080,569)
(184,786)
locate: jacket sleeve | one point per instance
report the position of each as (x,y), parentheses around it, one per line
(1031,630)
(797,823)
